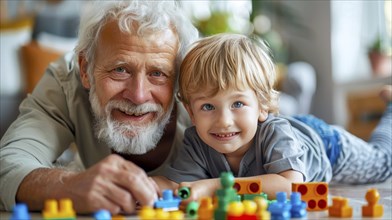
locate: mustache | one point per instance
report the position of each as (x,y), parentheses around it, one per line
(133,109)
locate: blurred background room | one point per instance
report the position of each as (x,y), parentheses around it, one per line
(332,56)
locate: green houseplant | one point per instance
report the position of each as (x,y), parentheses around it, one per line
(380,57)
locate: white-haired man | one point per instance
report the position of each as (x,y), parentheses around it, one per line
(114,99)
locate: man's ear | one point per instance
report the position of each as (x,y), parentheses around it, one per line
(189,110)
(83,71)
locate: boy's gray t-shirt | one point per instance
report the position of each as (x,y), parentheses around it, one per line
(280,144)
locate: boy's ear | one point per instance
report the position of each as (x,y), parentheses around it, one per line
(189,110)
(263,115)
(83,71)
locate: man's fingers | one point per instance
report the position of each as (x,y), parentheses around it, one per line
(135,180)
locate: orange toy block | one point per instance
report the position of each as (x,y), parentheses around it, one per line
(55,210)
(247,186)
(340,208)
(372,209)
(315,194)
(206,209)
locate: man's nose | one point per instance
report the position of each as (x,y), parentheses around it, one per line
(138,89)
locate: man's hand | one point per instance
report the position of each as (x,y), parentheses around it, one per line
(113,184)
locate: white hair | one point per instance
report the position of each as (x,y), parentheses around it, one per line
(149,15)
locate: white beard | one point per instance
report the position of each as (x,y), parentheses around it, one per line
(127,138)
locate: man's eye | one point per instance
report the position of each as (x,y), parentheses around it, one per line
(120,70)
(207,107)
(238,104)
(156,74)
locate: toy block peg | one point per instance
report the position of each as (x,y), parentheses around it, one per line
(206,209)
(192,209)
(184,192)
(340,208)
(261,211)
(168,202)
(102,214)
(298,207)
(372,209)
(146,212)
(20,212)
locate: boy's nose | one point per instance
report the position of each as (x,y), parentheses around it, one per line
(225,119)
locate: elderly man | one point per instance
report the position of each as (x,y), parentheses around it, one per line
(113,97)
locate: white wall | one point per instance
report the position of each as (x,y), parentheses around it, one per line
(315,48)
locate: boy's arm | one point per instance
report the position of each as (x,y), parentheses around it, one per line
(270,183)
(273,183)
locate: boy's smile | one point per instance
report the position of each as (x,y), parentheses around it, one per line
(226,121)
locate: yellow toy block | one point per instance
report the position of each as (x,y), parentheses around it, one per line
(372,209)
(55,210)
(176,215)
(146,212)
(340,208)
(315,194)
(261,211)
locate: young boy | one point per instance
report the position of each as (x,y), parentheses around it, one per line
(227,86)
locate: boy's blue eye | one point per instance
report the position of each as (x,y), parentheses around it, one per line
(238,104)
(207,107)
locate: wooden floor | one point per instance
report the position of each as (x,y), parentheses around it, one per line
(355,194)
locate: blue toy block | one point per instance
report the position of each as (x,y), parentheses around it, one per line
(20,212)
(280,209)
(168,202)
(298,207)
(102,214)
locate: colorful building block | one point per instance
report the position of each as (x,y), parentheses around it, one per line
(315,194)
(58,210)
(261,211)
(280,209)
(146,212)
(102,215)
(298,207)
(372,209)
(192,209)
(184,192)
(248,186)
(168,202)
(20,212)
(245,210)
(118,217)
(225,195)
(149,213)
(253,196)
(340,208)
(206,209)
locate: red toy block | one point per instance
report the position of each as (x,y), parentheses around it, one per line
(372,209)
(315,194)
(247,186)
(340,208)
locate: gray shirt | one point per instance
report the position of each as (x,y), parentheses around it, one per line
(56,115)
(280,144)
